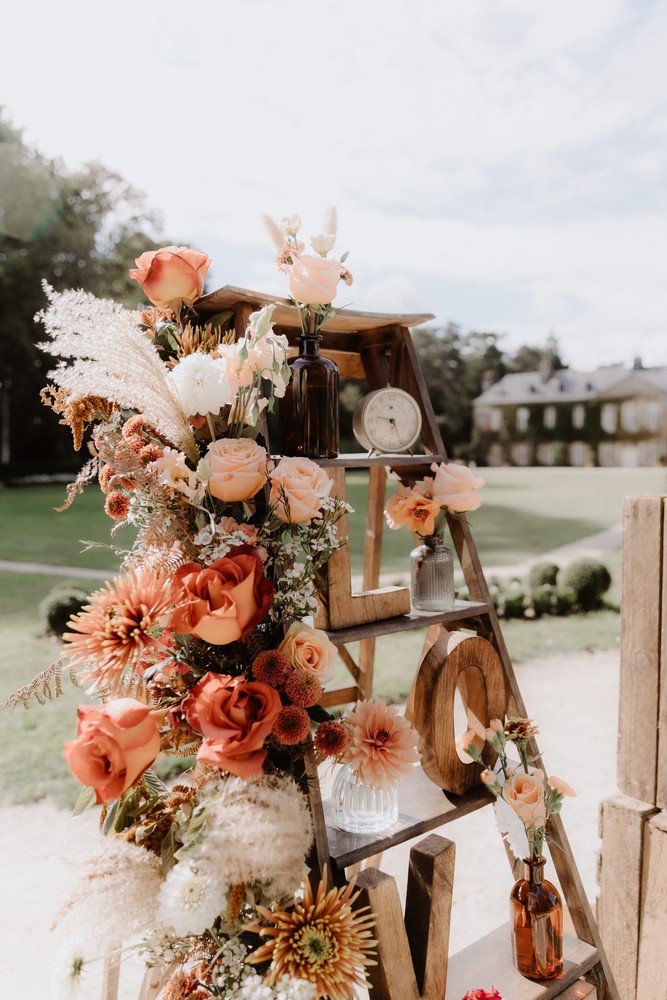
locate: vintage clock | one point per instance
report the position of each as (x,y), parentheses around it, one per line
(387,421)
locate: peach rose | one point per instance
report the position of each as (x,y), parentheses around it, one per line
(171,274)
(309,649)
(410,507)
(525,794)
(298,487)
(222,602)
(234,716)
(239,468)
(560,786)
(114,745)
(313,280)
(454,486)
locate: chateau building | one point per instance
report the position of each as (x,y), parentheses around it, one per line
(612,416)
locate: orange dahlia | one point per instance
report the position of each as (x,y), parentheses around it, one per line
(112,631)
(324,941)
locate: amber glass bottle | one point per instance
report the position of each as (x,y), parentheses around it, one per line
(309,409)
(536,921)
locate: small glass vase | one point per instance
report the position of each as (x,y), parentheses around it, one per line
(536,921)
(432,575)
(309,409)
(358,808)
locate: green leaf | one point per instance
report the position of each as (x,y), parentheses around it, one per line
(85,800)
(168,850)
(154,784)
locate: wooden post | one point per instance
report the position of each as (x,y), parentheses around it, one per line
(641,644)
(393,977)
(652,967)
(620,865)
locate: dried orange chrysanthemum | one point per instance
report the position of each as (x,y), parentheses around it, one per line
(520,729)
(113,629)
(323,940)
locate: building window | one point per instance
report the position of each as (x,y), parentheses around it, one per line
(495,419)
(608,454)
(578,416)
(653,415)
(550,416)
(630,416)
(522,417)
(521,453)
(579,453)
(546,453)
(608,417)
(495,455)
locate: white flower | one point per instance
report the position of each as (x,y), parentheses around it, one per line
(201,384)
(260,322)
(173,472)
(253,988)
(191,898)
(323,243)
(291,224)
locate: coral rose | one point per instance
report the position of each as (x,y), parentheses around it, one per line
(114,745)
(309,649)
(454,487)
(239,468)
(313,280)
(171,274)
(298,487)
(410,507)
(222,602)
(234,716)
(525,794)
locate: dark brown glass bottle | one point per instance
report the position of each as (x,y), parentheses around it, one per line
(309,409)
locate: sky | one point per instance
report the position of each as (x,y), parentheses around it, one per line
(501,164)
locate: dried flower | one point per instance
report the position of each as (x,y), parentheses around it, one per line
(303,689)
(491,994)
(520,729)
(271,667)
(292,725)
(117,505)
(332,738)
(325,940)
(382,748)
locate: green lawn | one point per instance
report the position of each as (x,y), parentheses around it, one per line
(524,513)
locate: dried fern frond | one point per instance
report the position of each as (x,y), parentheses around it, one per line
(86,475)
(110,356)
(46,686)
(76,413)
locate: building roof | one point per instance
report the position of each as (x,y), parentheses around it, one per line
(565,385)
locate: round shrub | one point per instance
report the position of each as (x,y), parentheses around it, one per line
(59,605)
(588,580)
(543,574)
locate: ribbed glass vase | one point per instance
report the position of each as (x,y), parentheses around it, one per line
(357,808)
(432,575)
(536,920)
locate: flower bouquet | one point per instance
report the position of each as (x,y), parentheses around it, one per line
(199,649)
(525,799)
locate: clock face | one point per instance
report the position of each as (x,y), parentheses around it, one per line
(387,420)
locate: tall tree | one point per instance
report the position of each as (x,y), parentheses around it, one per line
(78,230)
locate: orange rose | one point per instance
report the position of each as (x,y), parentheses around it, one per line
(239,468)
(313,280)
(454,486)
(114,745)
(234,716)
(171,274)
(309,649)
(412,508)
(223,602)
(525,794)
(298,487)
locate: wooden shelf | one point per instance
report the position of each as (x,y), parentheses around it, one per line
(488,962)
(422,806)
(462,611)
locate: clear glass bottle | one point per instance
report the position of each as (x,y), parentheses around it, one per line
(357,808)
(536,921)
(432,575)
(309,409)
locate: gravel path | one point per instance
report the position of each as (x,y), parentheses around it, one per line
(573,697)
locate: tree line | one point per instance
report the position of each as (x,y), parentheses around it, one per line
(83,229)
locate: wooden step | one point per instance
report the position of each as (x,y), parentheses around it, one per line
(422,806)
(488,962)
(462,612)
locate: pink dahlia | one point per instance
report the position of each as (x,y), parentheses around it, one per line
(382,749)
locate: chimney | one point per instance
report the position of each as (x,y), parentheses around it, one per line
(487,379)
(637,363)
(546,369)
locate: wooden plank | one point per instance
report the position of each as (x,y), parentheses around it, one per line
(622,823)
(462,613)
(287,315)
(579,991)
(428,908)
(422,807)
(340,696)
(661,776)
(652,966)
(110,977)
(640,647)
(488,963)
(393,977)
